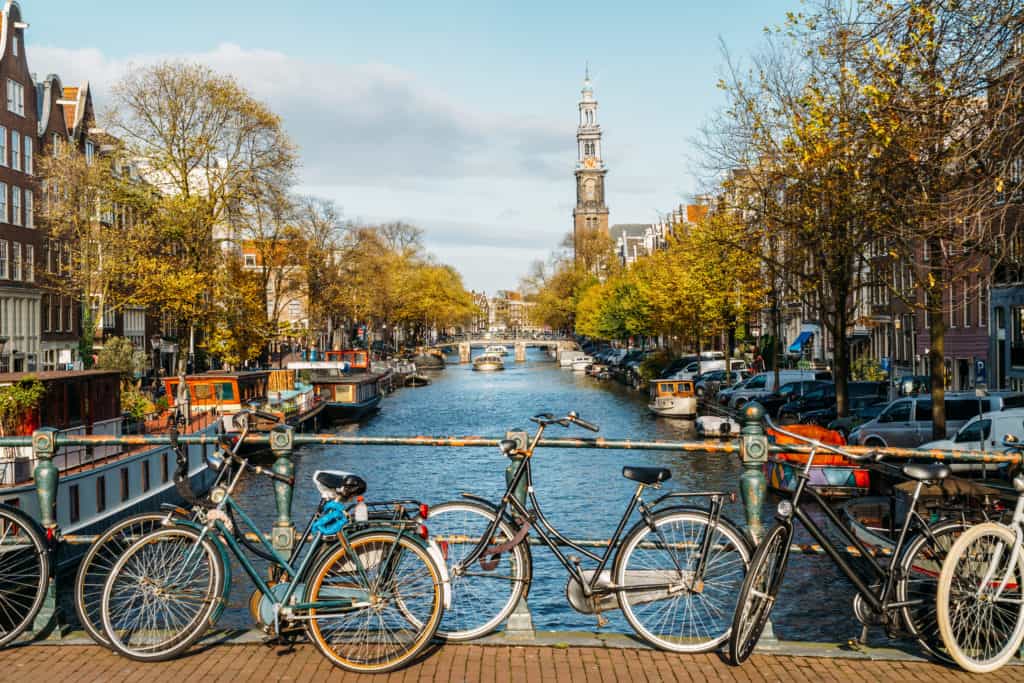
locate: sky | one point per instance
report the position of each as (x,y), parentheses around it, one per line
(458,117)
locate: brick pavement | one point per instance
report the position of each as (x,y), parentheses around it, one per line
(459,663)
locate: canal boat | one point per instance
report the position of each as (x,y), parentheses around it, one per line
(488,362)
(497,349)
(221,392)
(567,358)
(417,380)
(673,398)
(288,401)
(831,475)
(721,426)
(98,485)
(349,395)
(581,364)
(429,359)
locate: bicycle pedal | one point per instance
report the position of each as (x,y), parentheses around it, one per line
(602,621)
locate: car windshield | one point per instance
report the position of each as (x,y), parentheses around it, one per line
(871,411)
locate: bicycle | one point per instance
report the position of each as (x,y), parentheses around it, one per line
(900,592)
(25,567)
(369,594)
(674,574)
(980,601)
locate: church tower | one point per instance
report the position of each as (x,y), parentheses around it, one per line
(590,213)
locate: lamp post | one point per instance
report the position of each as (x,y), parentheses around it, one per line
(154,343)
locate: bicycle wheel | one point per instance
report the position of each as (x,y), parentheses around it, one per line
(161,593)
(96,565)
(981,619)
(481,598)
(394,613)
(24,573)
(918,581)
(685,615)
(757,596)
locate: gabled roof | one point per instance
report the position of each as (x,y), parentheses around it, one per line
(77,102)
(634,230)
(48,91)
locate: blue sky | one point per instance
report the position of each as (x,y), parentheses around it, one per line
(457,116)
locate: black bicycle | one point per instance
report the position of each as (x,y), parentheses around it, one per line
(674,574)
(899,593)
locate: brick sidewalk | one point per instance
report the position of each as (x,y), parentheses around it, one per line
(458,663)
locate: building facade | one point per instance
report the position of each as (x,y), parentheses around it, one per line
(591,213)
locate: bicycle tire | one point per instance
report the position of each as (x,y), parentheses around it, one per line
(125,636)
(760,587)
(692,624)
(364,646)
(963,606)
(97,563)
(918,582)
(25,572)
(480,599)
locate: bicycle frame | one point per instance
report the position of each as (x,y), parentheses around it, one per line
(1017,524)
(553,539)
(879,602)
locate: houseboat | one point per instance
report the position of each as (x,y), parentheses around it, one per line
(488,362)
(349,395)
(221,392)
(288,401)
(97,485)
(429,359)
(831,475)
(673,398)
(581,364)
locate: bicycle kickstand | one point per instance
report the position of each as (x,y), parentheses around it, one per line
(859,642)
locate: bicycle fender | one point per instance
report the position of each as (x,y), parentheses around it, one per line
(222,601)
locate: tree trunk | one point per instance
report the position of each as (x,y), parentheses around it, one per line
(937,356)
(841,359)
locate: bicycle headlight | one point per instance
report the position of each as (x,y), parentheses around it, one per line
(785,508)
(217,494)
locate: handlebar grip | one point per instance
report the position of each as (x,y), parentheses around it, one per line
(290,481)
(586,425)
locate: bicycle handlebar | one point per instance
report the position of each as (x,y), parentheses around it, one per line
(573,417)
(550,419)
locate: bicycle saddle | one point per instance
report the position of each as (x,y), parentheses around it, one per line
(931,472)
(647,475)
(341,484)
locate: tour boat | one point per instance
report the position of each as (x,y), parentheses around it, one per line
(673,398)
(581,364)
(831,475)
(97,485)
(488,362)
(497,349)
(567,358)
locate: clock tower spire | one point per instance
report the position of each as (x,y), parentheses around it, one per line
(590,213)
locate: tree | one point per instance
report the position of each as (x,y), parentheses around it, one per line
(207,147)
(120,354)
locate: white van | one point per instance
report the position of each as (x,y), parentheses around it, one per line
(984,432)
(763,384)
(694,368)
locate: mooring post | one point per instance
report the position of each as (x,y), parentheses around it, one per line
(282,440)
(519,625)
(754,455)
(46,474)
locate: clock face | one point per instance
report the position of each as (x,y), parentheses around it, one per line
(590,162)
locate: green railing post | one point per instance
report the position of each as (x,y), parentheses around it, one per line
(46,474)
(519,625)
(754,455)
(282,440)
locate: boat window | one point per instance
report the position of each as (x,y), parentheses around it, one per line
(74,513)
(225,391)
(145,475)
(686,386)
(101,493)
(124,484)
(975,431)
(74,402)
(165,466)
(202,392)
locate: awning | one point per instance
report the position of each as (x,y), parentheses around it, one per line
(798,345)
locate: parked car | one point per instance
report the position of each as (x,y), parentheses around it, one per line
(709,383)
(791,393)
(677,365)
(763,384)
(824,397)
(725,393)
(984,432)
(907,421)
(861,410)
(699,367)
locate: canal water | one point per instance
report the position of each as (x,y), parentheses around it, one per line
(581,491)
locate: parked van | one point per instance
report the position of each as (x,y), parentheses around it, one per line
(984,432)
(691,370)
(763,384)
(907,422)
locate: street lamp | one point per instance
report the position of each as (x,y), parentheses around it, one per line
(154,343)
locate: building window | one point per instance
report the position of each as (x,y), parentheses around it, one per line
(15,97)
(90,151)
(124,484)
(56,143)
(145,475)
(101,494)
(16,261)
(967,306)
(14,46)
(294,310)
(74,512)
(250,259)
(3,203)
(1017,337)
(28,155)
(30,263)
(15,205)
(15,150)
(3,145)
(3,260)
(983,304)
(30,201)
